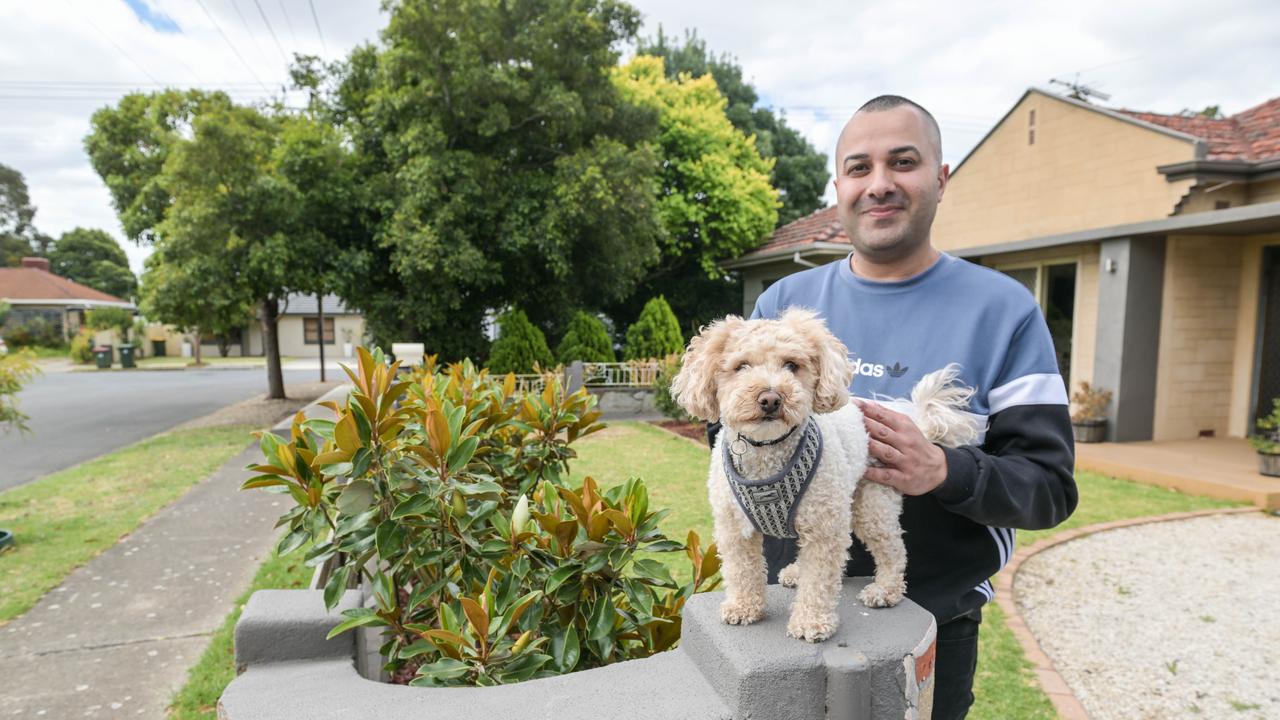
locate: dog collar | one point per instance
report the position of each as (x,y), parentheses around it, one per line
(767,443)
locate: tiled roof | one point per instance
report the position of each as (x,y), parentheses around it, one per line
(819,226)
(299,304)
(25,283)
(1251,135)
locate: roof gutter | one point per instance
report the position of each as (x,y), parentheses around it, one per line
(1222,170)
(816,250)
(70,303)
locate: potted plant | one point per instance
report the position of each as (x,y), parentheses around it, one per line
(1089,419)
(1266,440)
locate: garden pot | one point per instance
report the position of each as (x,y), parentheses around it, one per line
(1269,464)
(1091,431)
(347,349)
(6,539)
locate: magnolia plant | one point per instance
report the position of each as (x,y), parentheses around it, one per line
(447,493)
(1267,438)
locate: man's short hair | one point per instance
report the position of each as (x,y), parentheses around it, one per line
(889,102)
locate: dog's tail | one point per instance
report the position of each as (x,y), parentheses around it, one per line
(940,408)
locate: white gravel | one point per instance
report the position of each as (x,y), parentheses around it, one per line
(1169,620)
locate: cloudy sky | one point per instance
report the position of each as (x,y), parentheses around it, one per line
(817,61)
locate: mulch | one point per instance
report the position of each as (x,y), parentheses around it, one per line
(692,430)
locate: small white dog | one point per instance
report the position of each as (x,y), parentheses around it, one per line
(789,459)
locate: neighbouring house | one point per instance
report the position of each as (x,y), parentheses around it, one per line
(1151,241)
(297,331)
(32,291)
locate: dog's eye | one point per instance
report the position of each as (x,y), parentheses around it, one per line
(791,367)
(742,366)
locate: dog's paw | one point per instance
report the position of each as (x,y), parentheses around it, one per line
(741,612)
(812,627)
(790,575)
(876,596)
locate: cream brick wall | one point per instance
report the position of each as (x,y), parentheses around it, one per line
(1084,323)
(1198,332)
(1085,170)
(1264,192)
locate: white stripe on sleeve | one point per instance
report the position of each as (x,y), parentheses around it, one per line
(1041,389)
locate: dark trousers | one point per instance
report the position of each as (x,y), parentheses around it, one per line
(957,660)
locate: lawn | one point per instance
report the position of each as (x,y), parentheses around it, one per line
(198,699)
(65,519)
(216,360)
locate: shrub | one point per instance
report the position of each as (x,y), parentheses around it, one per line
(662,390)
(16,369)
(520,346)
(33,332)
(587,340)
(108,318)
(1091,403)
(484,564)
(656,333)
(1267,438)
(82,347)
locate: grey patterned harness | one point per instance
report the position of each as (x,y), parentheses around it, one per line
(771,503)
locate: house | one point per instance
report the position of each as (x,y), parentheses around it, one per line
(297,332)
(1151,241)
(32,291)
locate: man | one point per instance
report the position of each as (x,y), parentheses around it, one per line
(904,309)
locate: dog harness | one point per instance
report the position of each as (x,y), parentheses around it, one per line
(771,503)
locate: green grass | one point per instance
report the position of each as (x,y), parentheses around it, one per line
(63,520)
(198,699)
(167,361)
(42,353)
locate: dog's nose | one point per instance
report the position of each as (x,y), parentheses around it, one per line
(769,401)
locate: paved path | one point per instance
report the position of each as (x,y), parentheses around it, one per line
(117,637)
(76,416)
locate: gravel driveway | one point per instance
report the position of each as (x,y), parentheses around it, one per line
(1169,620)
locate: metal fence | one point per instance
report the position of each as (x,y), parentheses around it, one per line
(633,374)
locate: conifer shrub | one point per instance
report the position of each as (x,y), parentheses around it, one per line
(586,340)
(519,346)
(656,333)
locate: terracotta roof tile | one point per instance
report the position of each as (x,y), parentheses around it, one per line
(32,284)
(819,226)
(1252,135)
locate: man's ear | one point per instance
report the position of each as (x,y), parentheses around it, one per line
(944,177)
(694,387)
(830,359)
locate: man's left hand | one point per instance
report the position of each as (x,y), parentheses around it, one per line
(911,464)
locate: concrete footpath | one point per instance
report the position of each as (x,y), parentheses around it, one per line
(117,637)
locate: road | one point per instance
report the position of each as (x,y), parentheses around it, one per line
(76,416)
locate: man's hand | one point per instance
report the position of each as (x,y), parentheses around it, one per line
(911,464)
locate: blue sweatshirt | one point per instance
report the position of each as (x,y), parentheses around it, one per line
(1020,473)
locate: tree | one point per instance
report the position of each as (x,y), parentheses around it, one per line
(799,171)
(520,346)
(110,318)
(226,195)
(191,299)
(18,237)
(716,200)
(656,333)
(93,258)
(502,165)
(587,340)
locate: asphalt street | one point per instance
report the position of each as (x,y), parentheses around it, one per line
(76,416)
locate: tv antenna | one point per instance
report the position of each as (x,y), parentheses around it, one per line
(1080,91)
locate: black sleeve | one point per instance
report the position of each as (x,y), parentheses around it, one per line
(1022,475)
(713,429)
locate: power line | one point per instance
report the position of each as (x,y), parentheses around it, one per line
(227,40)
(248,31)
(285,11)
(319,32)
(119,49)
(271,30)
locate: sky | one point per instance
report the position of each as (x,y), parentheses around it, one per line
(816,61)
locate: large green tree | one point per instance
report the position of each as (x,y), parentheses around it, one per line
(716,200)
(18,236)
(800,172)
(230,196)
(92,257)
(502,165)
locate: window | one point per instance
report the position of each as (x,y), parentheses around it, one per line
(311,331)
(1031,127)
(1053,284)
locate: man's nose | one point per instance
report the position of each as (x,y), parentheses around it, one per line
(769,401)
(881,183)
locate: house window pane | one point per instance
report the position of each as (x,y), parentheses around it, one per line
(311,333)
(1026,276)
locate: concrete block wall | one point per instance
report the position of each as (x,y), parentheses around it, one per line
(1197,336)
(878,665)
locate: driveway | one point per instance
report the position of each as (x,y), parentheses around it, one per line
(76,416)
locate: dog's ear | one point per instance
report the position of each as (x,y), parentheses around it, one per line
(694,387)
(830,359)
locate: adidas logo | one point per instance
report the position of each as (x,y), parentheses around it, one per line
(876,370)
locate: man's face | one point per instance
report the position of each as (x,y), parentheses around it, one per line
(889,180)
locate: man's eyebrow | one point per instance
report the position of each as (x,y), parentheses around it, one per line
(905,149)
(856,156)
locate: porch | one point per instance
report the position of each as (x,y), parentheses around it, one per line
(1224,468)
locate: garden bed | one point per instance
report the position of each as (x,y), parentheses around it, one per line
(692,430)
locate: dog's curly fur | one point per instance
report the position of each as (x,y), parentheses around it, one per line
(725,370)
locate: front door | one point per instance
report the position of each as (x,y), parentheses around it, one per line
(1267,362)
